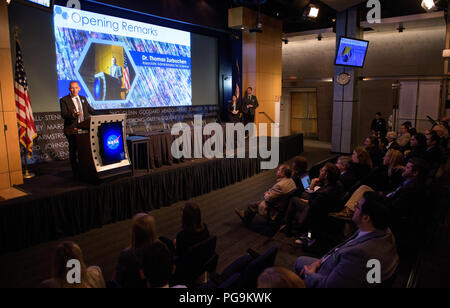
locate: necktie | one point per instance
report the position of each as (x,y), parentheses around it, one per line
(80,109)
(234,107)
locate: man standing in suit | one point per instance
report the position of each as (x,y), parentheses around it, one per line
(346,266)
(74,110)
(275,199)
(249,105)
(378,126)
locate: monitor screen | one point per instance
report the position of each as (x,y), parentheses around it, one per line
(46,5)
(111,139)
(122,63)
(306,182)
(351,52)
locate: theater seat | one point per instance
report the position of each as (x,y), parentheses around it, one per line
(198,259)
(249,276)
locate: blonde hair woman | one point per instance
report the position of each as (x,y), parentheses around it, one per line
(91,277)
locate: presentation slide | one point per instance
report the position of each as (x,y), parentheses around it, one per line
(121,63)
(351,52)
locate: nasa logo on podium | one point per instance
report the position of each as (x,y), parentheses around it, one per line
(113,142)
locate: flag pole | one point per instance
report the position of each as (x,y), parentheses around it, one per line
(27,174)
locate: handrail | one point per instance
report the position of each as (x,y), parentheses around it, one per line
(267,116)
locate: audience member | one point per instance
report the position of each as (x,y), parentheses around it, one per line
(275,199)
(347,178)
(434,153)
(418,147)
(90,277)
(193,230)
(361,163)
(382,145)
(404,137)
(299,166)
(299,171)
(279,278)
(324,200)
(442,132)
(393,160)
(143,233)
(372,147)
(406,201)
(346,265)
(392,141)
(157,266)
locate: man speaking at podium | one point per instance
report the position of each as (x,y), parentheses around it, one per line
(74,110)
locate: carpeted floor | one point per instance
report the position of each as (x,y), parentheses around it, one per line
(27,268)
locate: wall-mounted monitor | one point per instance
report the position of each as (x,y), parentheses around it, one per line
(351,52)
(41,4)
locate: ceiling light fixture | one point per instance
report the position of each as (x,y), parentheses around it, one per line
(311,11)
(428,5)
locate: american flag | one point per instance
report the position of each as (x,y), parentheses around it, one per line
(126,73)
(27,130)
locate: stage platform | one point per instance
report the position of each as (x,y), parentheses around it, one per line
(59,206)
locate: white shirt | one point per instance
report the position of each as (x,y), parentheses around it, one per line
(78,104)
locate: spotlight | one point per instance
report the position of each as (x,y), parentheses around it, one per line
(311,11)
(285,41)
(400,28)
(319,37)
(428,5)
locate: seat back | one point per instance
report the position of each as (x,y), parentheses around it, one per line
(198,259)
(250,275)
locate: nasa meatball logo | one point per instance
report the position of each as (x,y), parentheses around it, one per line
(113,142)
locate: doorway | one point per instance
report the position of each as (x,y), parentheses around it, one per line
(304,113)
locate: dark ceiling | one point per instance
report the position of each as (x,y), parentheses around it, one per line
(291,11)
(213,13)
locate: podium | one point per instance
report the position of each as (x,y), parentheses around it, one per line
(107,88)
(102,147)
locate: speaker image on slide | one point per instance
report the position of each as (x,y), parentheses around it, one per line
(107,72)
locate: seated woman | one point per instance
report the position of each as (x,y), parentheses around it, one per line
(193,230)
(418,144)
(393,160)
(361,163)
(90,277)
(372,147)
(385,179)
(143,233)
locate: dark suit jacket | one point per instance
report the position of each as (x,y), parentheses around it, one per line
(348,180)
(234,118)
(67,108)
(346,265)
(379,126)
(253,101)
